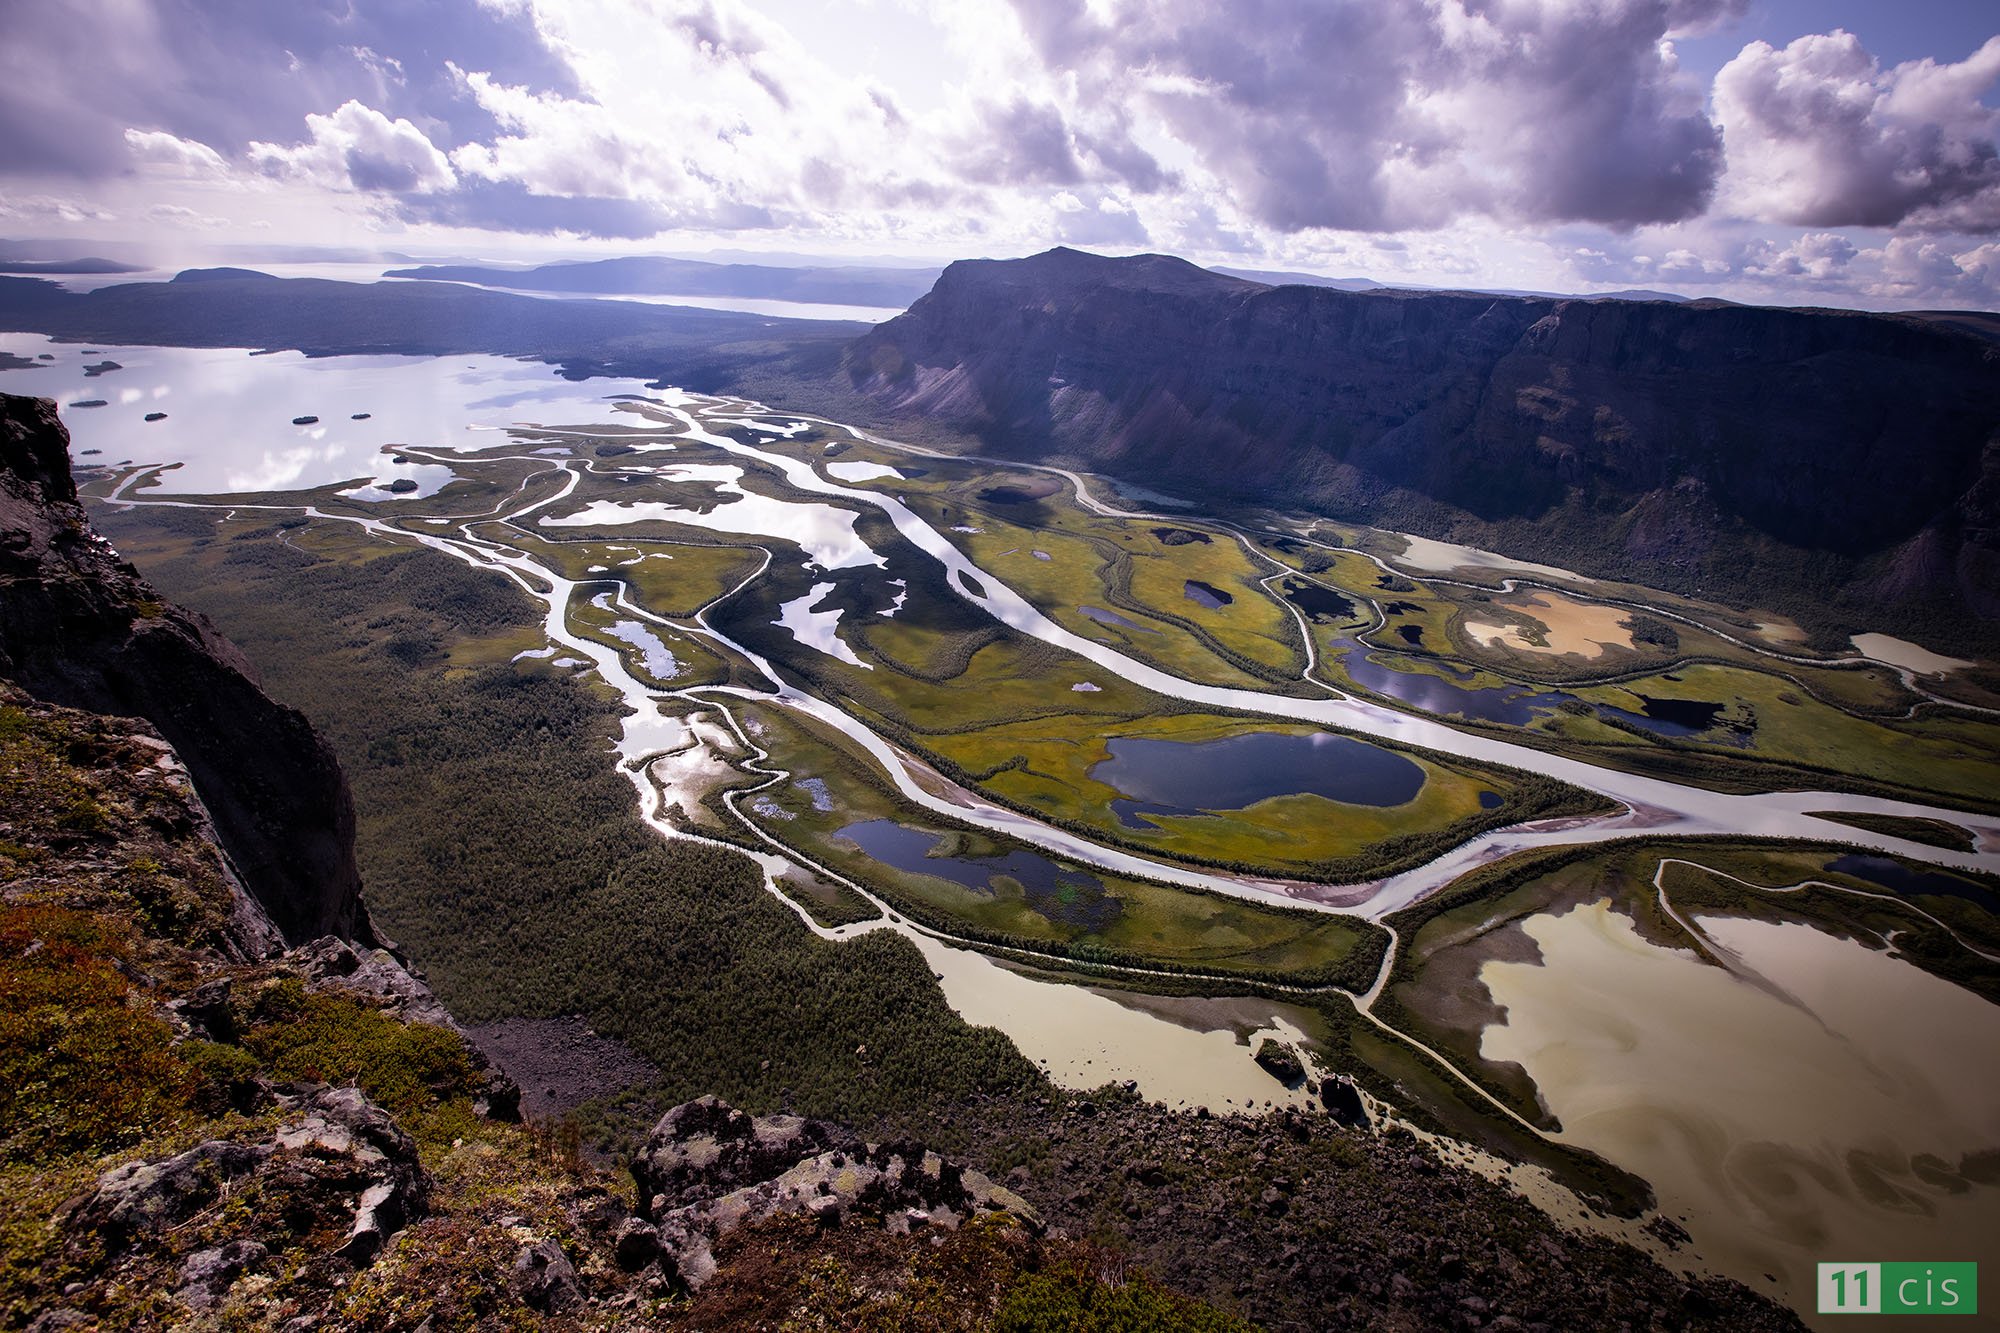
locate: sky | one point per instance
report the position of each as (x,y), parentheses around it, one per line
(1826,152)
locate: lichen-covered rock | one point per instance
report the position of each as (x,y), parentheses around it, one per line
(376,976)
(208,1274)
(705,1148)
(545,1280)
(338,1160)
(150,1197)
(708,1170)
(333,964)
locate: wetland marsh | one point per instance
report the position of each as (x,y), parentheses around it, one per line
(971,705)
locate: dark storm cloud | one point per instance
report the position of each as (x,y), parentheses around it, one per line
(75,76)
(1399,114)
(1020,143)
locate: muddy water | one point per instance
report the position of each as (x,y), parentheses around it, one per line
(1812,1102)
(1181,1051)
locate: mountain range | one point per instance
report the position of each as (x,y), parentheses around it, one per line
(1842,465)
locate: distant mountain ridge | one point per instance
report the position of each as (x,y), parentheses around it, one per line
(1835,463)
(889,288)
(1274,278)
(234,307)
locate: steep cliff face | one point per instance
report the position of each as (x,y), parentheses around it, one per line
(1602,430)
(79,627)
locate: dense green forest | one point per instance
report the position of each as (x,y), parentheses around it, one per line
(505,854)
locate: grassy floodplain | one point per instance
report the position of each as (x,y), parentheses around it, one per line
(1092,917)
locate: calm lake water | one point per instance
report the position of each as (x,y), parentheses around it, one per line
(1188,777)
(1815,1098)
(229,412)
(1060,893)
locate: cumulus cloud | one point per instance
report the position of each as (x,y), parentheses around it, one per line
(1406,114)
(75,76)
(1818,134)
(359,148)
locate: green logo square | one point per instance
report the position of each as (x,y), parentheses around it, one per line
(1930,1288)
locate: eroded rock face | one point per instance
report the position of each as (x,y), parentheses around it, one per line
(79,627)
(709,1169)
(1674,435)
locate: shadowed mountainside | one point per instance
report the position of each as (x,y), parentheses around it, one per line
(1847,463)
(79,627)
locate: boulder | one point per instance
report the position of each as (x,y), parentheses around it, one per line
(706,1148)
(709,1169)
(208,1274)
(545,1280)
(141,1198)
(338,1155)
(1343,1101)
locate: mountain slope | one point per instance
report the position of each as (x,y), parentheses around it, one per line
(1848,463)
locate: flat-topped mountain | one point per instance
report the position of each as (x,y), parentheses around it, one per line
(1843,464)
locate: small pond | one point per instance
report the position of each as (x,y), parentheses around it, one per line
(1060,893)
(1898,878)
(1103,617)
(1206,595)
(1190,777)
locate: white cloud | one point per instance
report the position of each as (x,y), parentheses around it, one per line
(359,148)
(1818,134)
(175,156)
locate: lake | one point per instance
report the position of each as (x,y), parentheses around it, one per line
(1189,777)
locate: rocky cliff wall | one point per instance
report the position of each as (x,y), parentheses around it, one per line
(1585,426)
(79,627)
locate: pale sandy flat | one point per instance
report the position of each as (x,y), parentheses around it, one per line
(1583,629)
(1909,656)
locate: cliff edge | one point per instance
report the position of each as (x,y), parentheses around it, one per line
(80,628)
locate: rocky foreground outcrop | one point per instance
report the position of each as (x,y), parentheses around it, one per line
(79,627)
(708,1169)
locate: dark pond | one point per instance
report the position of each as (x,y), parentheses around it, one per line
(1190,777)
(1490,800)
(1317,603)
(1515,705)
(1179,536)
(1673,717)
(1899,878)
(1206,595)
(1103,617)
(1060,893)
(1411,634)
(1008,495)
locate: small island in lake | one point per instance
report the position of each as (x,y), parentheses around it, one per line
(361,416)
(91,402)
(156,416)
(401,486)
(305,421)
(104,367)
